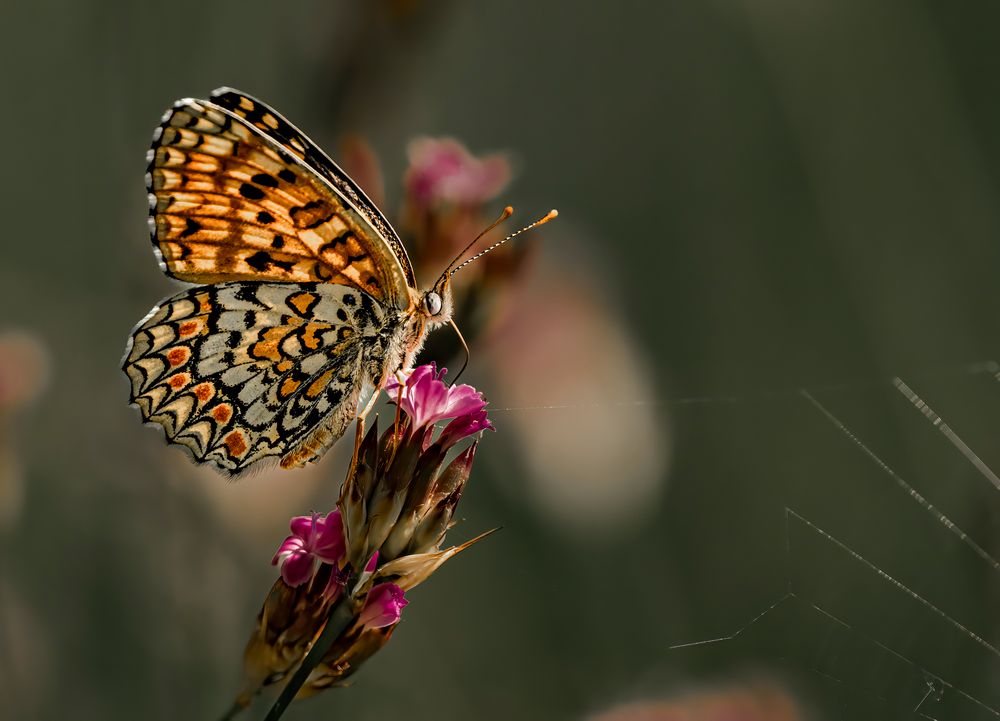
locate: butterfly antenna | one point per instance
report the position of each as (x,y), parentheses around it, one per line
(507,212)
(541,221)
(465,363)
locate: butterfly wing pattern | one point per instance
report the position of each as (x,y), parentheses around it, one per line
(308,295)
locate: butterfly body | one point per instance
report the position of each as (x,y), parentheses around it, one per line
(306,292)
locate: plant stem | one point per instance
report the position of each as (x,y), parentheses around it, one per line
(341,616)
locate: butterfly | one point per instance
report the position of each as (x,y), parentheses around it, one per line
(305,293)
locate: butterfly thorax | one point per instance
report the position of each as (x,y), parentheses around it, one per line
(402,335)
(394,346)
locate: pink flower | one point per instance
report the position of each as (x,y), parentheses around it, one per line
(443,171)
(313,538)
(383,607)
(426,399)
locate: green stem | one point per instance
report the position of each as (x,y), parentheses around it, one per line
(341,616)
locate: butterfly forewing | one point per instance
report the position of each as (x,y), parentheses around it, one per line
(241,371)
(227,203)
(279,130)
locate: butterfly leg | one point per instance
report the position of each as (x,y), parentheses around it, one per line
(399,406)
(370,405)
(359,432)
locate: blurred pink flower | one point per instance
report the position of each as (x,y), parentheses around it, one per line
(24,373)
(383,607)
(761,700)
(313,538)
(24,370)
(427,399)
(443,171)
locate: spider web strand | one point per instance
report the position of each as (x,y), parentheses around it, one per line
(910,490)
(946,431)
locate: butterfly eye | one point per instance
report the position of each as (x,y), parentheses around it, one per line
(432,302)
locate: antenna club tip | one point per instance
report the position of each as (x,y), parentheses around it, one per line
(508,211)
(548,216)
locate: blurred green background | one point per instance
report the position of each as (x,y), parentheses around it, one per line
(756,196)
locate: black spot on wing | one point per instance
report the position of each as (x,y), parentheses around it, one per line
(259,261)
(262,260)
(265,180)
(191,226)
(251,192)
(248,294)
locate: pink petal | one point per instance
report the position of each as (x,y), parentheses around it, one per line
(297,568)
(302,526)
(383,607)
(463,400)
(314,538)
(292,544)
(329,543)
(463,427)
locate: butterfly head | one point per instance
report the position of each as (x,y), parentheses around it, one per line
(436,302)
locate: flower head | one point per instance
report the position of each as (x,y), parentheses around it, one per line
(426,399)
(344,575)
(314,538)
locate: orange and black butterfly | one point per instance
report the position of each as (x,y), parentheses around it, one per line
(305,294)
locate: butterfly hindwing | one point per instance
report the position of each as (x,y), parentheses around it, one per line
(241,371)
(227,202)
